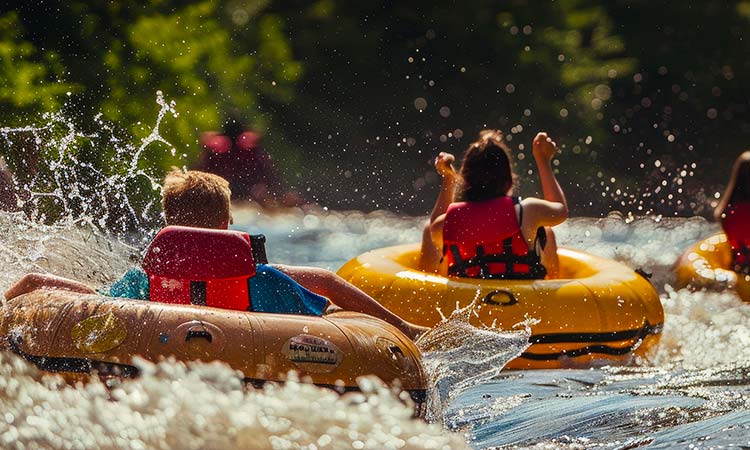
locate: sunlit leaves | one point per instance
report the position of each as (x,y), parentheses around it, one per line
(28,77)
(214,58)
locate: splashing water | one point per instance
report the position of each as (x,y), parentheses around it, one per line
(78,252)
(171,405)
(606,407)
(458,355)
(199,406)
(95,178)
(693,391)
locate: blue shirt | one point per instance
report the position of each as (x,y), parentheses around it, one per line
(271,291)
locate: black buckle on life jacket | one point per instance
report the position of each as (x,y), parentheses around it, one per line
(541,238)
(482,261)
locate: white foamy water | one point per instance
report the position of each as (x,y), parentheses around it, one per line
(704,345)
(202,406)
(703,329)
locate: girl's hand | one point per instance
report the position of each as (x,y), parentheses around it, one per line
(444,165)
(544,148)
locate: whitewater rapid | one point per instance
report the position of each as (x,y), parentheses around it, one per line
(691,391)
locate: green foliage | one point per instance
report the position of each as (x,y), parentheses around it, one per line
(195,59)
(124,52)
(213,59)
(30,81)
(332,84)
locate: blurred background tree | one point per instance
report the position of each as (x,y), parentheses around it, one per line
(355,98)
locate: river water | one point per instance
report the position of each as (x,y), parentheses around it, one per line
(693,392)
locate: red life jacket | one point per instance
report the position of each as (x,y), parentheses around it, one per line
(200,266)
(483,240)
(247,141)
(217,143)
(736,224)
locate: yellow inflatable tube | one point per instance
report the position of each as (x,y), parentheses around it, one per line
(707,264)
(74,334)
(599,311)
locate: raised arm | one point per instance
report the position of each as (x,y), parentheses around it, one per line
(553,209)
(448,178)
(430,252)
(544,150)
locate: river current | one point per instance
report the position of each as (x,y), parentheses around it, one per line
(693,392)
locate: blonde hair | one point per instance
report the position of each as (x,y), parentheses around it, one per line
(195,199)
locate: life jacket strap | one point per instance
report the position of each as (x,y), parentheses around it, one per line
(198,294)
(508,250)
(249,294)
(482,260)
(541,238)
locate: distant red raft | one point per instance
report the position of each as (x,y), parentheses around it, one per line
(707,264)
(76,334)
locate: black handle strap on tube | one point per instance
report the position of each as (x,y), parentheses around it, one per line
(258,244)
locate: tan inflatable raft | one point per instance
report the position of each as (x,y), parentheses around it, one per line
(73,334)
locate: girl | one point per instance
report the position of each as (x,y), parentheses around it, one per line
(487,233)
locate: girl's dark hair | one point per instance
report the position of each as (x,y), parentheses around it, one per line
(741,192)
(486,171)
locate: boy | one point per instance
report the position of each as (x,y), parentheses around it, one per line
(198,199)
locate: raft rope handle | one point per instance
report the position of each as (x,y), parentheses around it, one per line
(642,272)
(199,334)
(490,298)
